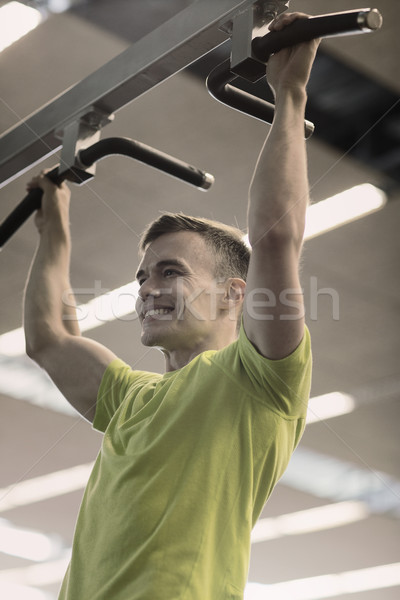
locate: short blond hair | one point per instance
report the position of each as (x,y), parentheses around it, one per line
(232,255)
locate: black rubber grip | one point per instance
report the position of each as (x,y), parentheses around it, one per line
(304,30)
(24,209)
(146,154)
(20,214)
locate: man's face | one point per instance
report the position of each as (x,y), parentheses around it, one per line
(178,297)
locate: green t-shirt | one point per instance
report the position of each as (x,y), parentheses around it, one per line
(187,462)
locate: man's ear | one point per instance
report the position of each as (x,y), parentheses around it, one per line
(234,292)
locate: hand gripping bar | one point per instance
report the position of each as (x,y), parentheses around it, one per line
(301,30)
(87,157)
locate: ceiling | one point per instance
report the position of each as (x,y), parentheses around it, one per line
(350,278)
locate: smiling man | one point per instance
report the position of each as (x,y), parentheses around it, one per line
(190,456)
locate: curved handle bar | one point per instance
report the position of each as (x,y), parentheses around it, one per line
(88,157)
(304,30)
(218,86)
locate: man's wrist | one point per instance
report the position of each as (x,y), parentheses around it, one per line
(296,94)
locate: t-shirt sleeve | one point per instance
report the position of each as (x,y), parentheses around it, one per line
(285,383)
(118,381)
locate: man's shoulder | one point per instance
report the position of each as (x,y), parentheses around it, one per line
(121,376)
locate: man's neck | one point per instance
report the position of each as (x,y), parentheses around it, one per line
(176,359)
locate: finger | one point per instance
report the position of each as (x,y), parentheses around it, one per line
(33,183)
(284,19)
(41,181)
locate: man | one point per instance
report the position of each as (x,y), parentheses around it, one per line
(189,457)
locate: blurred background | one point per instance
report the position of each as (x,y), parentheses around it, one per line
(331,528)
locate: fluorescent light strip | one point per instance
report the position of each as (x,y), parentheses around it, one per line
(327,586)
(307,521)
(12,343)
(58,6)
(327,477)
(16,20)
(23,379)
(47,573)
(27,543)
(45,487)
(342,208)
(350,205)
(329,405)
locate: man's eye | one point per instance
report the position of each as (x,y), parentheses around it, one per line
(169,272)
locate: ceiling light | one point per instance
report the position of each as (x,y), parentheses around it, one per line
(324,476)
(16,20)
(58,6)
(12,343)
(41,574)
(307,521)
(342,208)
(26,543)
(327,586)
(328,406)
(45,486)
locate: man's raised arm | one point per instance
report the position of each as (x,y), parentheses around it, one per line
(273,313)
(75,364)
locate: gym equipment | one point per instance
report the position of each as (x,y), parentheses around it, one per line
(250,54)
(76,118)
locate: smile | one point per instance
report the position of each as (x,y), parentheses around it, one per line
(157,311)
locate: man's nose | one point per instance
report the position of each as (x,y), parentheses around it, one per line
(149,288)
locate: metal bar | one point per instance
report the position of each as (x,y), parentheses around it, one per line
(183,39)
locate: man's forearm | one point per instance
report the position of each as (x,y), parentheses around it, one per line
(279,189)
(48,284)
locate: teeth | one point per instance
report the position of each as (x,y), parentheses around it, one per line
(157,311)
